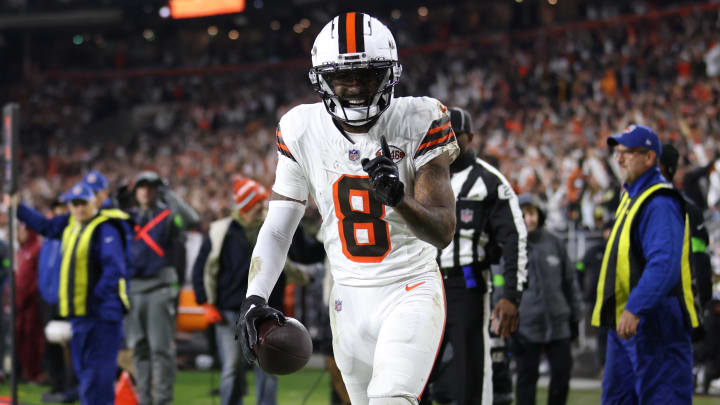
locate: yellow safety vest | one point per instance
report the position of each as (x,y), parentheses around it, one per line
(74,270)
(622,266)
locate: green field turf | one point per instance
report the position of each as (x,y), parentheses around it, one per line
(193,387)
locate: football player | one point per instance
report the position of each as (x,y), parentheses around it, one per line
(378,169)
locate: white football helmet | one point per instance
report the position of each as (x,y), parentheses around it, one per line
(355,41)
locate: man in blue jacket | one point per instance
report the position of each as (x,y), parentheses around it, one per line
(644,292)
(91,292)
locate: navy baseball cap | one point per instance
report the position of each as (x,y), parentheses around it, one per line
(95,180)
(80,191)
(636,136)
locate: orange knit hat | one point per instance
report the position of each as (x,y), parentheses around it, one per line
(247,193)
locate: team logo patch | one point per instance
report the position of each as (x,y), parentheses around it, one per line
(504,192)
(338,305)
(466,215)
(353,154)
(396,153)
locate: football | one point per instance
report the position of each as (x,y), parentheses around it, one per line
(282,349)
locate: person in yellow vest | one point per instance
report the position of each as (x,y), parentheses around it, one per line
(644,292)
(91,292)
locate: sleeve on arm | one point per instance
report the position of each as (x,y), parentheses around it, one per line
(271,248)
(112,259)
(282,147)
(509,231)
(290,178)
(50,228)
(660,232)
(438,139)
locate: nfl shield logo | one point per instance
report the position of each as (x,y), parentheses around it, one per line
(338,305)
(353,154)
(466,215)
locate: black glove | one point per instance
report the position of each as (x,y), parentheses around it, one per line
(384,177)
(253,309)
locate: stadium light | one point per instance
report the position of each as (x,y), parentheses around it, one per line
(164,11)
(148,34)
(204,8)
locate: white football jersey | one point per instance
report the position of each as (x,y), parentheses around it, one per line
(367,242)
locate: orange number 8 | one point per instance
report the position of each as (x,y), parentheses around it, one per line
(365,236)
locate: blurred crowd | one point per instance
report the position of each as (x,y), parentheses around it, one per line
(543,105)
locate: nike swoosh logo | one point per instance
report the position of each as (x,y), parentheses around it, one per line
(409,287)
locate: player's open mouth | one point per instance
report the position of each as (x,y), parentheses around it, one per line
(355,102)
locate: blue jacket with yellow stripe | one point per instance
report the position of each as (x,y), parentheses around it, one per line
(646,268)
(107,265)
(659,234)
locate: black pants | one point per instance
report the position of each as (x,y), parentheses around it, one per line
(527,357)
(457,375)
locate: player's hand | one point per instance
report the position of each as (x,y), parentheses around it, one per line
(384,176)
(504,318)
(253,309)
(627,325)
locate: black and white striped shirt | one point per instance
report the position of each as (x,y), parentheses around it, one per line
(490,225)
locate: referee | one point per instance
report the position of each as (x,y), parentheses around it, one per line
(489,227)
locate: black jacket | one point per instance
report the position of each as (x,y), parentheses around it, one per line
(552,300)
